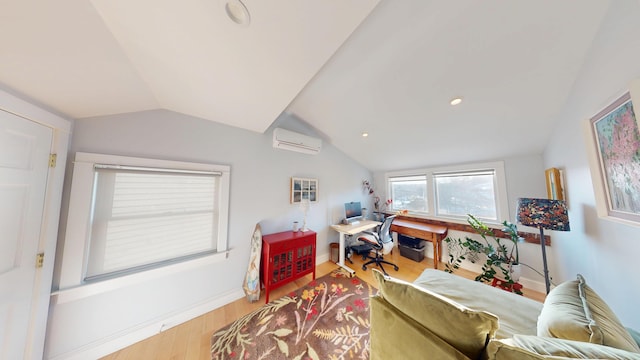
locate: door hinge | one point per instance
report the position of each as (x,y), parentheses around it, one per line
(39,260)
(52,160)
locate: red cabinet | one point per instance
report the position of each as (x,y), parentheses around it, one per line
(287,256)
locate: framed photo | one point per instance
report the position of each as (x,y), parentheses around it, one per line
(303,189)
(555,185)
(614,145)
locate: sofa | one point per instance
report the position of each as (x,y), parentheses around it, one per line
(444,316)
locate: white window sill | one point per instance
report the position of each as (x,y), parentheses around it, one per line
(90,289)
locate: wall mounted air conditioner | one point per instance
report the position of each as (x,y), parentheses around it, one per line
(289,140)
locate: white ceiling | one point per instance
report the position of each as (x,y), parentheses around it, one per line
(345,67)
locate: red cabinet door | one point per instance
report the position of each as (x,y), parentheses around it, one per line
(287,256)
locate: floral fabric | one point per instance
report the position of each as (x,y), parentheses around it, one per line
(325,319)
(543,213)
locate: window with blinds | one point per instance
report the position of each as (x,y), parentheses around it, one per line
(467,192)
(143,217)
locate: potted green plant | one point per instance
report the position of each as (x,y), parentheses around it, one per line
(501,261)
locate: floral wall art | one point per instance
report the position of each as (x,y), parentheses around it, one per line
(616,142)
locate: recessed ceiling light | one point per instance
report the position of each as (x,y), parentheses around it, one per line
(456,101)
(365,134)
(237,12)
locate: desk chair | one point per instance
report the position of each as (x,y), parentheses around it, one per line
(382,243)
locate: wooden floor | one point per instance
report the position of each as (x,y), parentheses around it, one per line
(191,340)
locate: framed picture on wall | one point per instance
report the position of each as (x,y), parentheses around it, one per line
(304,189)
(613,140)
(555,185)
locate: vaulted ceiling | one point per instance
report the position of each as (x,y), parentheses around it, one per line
(388,68)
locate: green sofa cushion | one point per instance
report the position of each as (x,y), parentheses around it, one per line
(573,311)
(528,347)
(394,335)
(465,329)
(516,314)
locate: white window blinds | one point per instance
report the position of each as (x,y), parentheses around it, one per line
(144,217)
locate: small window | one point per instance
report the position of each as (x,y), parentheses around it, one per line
(460,193)
(409,193)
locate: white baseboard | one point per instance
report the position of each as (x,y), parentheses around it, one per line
(130,336)
(533,285)
(527,283)
(127,337)
(322,258)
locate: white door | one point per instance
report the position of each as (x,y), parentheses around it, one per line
(24,165)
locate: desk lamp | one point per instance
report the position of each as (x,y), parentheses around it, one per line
(543,214)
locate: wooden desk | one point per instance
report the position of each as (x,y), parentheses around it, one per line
(424,231)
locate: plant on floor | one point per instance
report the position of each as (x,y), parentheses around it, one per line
(500,260)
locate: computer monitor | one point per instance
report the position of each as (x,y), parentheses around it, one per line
(353,211)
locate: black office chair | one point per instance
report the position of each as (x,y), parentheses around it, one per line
(382,243)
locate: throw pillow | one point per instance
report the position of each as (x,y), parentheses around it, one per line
(634,335)
(465,329)
(527,347)
(574,311)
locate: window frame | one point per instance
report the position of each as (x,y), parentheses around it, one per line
(77,235)
(500,188)
(455,174)
(391,180)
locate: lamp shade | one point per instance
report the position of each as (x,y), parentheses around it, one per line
(543,213)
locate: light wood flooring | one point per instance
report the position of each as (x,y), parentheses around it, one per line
(191,340)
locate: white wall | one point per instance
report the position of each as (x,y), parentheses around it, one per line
(606,253)
(260,178)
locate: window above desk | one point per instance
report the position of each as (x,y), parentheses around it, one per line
(451,192)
